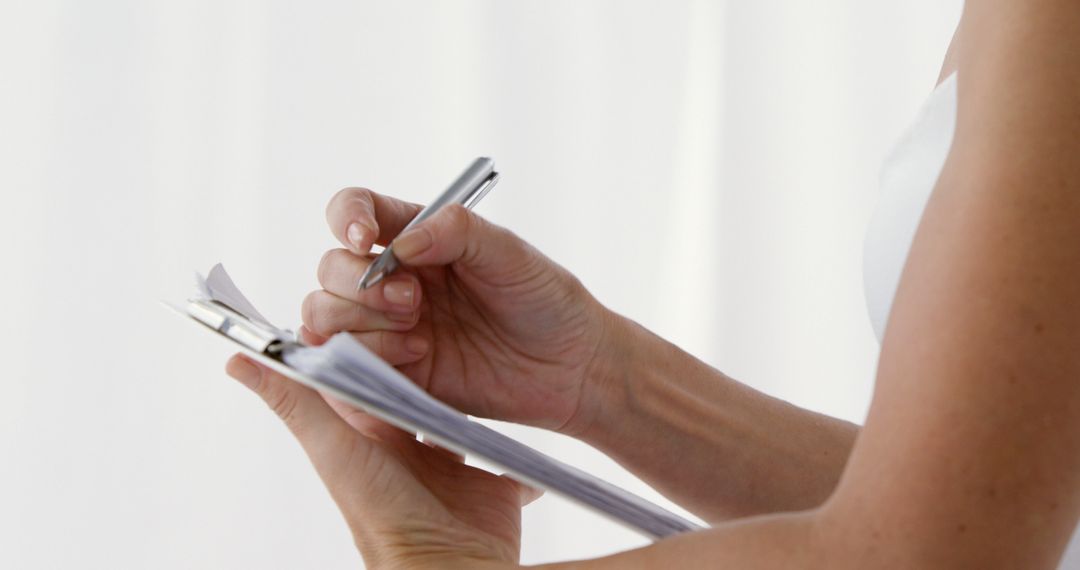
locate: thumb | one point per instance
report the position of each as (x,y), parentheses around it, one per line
(319,429)
(456,235)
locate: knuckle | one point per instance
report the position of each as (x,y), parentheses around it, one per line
(467,226)
(381,343)
(342,201)
(358,318)
(411,209)
(283,403)
(325,314)
(471,225)
(347,194)
(362,197)
(321,268)
(375,341)
(336,200)
(457,217)
(403,209)
(360,192)
(309,311)
(326,265)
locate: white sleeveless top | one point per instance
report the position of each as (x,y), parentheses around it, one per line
(908,176)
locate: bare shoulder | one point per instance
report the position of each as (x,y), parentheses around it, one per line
(1019,92)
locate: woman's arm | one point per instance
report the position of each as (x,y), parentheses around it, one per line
(718,447)
(973,442)
(970,457)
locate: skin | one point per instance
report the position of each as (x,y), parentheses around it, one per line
(513,336)
(970,456)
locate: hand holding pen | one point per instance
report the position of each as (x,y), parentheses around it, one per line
(474,314)
(467,190)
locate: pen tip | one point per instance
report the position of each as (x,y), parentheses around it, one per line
(369,280)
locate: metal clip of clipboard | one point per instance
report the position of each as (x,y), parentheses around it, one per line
(251,335)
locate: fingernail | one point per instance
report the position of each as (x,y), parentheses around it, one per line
(355,233)
(416,344)
(245,372)
(400,293)
(412,243)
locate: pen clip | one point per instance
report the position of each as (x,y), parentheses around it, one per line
(481,190)
(468,189)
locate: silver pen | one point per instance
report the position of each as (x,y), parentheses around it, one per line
(467,190)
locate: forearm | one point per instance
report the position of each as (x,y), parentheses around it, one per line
(789,540)
(711,444)
(803,540)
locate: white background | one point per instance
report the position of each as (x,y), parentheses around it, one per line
(707,168)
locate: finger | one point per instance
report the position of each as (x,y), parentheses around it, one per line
(326,314)
(355,468)
(449,454)
(366,423)
(319,429)
(359,217)
(527,493)
(310,338)
(456,235)
(394,347)
(340,270)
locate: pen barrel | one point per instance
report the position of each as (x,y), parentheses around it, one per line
(468,189)
(460,190)
(387,262)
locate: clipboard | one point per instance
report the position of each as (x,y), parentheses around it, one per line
(230,316)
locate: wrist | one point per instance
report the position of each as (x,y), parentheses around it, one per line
(622,350)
